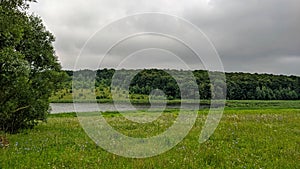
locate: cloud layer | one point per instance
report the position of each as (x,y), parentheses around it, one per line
(250,36)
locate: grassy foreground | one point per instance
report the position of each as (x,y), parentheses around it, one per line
(266,138)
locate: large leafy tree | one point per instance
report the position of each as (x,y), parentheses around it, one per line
(29,70)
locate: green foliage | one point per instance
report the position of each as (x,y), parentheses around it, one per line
(237,86)
(245,86)
(29,71)
(265,138)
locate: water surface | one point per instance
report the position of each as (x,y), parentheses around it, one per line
(103,107)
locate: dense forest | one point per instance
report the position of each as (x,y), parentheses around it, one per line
(237,86)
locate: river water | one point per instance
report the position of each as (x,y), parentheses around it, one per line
(103,107)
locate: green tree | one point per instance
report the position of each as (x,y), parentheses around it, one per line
(29,71)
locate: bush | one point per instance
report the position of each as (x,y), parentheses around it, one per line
(29,71)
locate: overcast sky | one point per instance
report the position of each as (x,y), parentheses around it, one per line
(250,36)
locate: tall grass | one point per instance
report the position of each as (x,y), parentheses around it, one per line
(266,138)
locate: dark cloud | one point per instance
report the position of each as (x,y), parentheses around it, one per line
(250,36)
(255,36)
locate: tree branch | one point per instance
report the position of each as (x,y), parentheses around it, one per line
(21,108)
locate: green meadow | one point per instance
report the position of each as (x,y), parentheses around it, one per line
(245,138)
(260,126)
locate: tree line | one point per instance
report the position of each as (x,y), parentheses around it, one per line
(236,86)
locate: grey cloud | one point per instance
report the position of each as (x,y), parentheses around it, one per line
(250,33)
(251,36)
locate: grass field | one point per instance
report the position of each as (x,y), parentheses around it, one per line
(245,138)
